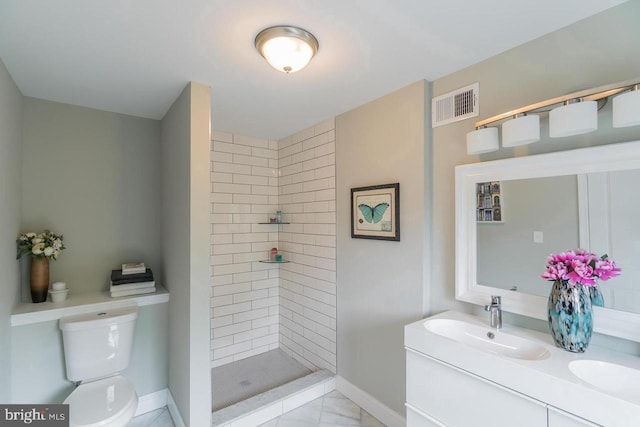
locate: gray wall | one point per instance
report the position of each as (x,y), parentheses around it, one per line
(381,283)
(596,51)
(37,358)
(185,140)
(10,185)
(94,177)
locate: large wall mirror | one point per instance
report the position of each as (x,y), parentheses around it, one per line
(511,214)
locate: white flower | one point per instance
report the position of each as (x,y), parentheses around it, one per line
(45,244)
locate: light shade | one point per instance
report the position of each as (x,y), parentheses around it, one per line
(482,140)
(287,49)
(521,130)
(626,109)
(573,119)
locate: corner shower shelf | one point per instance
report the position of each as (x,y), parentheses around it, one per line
(268,261)
(274,223)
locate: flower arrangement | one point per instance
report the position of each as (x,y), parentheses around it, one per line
(41,245)
(581,267)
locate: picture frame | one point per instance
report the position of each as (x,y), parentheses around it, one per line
(375,212)
(489,202)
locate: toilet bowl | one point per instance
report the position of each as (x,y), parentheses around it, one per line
(97,347)
(111,401)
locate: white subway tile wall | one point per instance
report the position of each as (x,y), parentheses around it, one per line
(308,283)
(244,292)
(256,307)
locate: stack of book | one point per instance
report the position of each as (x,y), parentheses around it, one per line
(132,279)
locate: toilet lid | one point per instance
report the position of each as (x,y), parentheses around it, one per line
(101,402)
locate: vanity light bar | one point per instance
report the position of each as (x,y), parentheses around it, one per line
(592,94)
(578,114)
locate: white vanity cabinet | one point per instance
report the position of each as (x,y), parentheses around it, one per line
(439,394)
(442,395)
(559,418)
(457,377)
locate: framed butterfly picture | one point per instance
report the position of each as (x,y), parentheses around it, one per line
(375,212)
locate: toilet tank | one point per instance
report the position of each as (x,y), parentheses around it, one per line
(98,344)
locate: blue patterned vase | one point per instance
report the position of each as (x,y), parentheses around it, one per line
(570,316)
(596,296)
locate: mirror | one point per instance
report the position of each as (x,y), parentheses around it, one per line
(511,214)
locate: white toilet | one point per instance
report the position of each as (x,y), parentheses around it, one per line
(97,346)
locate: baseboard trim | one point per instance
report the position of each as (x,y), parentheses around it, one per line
(151,402)
(382,412)
(173,411)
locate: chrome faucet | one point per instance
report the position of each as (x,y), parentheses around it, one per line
(495,310)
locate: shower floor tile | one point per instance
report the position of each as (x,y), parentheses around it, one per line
(237,381)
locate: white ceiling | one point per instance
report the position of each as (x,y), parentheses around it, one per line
(135,56)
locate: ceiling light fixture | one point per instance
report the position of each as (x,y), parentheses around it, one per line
(286,48)
(572,114)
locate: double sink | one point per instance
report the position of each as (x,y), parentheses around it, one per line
(615,379)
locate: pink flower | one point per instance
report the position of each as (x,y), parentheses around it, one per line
(580,267)
(556,272)
(606,269)
(581,273)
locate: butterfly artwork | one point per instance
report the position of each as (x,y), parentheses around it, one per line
(373,214)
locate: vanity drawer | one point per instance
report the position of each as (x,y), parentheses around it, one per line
(560,418)
(457,398)
(417,418)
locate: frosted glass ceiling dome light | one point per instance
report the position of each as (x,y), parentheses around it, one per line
(286,48)
(626,108)
(573,118)
(521,130)
(483,140)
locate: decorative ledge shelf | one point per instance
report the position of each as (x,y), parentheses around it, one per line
(268,261)
(274,223)
(29,313)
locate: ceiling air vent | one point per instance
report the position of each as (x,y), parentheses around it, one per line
(456,105)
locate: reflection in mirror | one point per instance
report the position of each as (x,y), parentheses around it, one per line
(595,211)
(584,198)
(542,219)
(614,228)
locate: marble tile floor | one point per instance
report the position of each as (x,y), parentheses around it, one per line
(158,418)
(331,410)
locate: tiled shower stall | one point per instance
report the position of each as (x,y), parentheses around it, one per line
(257,307)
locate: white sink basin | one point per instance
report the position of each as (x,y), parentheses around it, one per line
(616,379)
(487,339)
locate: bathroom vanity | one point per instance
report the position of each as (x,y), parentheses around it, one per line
(461,372)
